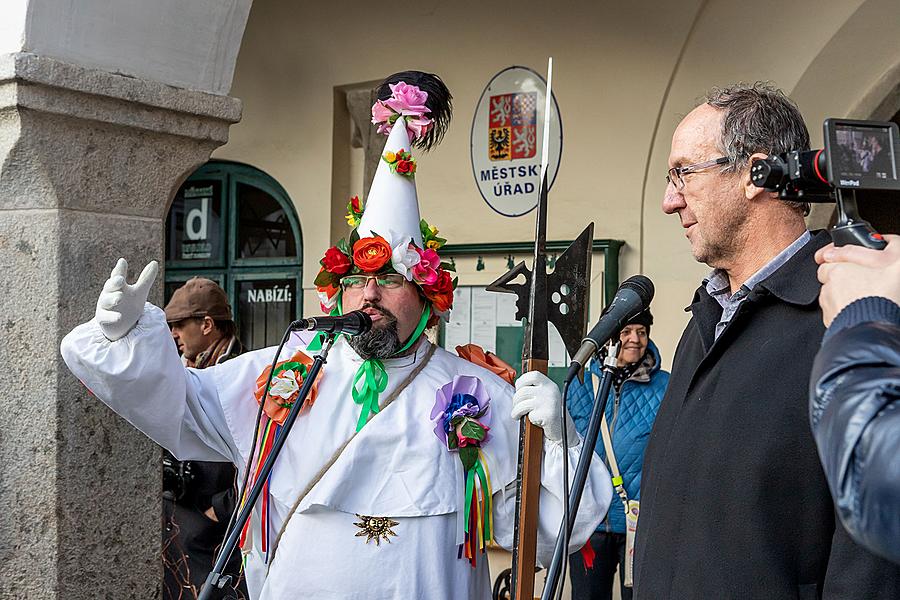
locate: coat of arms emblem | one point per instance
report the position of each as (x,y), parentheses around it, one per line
(512,126)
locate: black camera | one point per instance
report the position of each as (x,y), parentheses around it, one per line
(858,155)
(177,477)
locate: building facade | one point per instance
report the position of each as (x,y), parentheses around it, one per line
(106,109)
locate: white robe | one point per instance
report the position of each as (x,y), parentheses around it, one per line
(395,467)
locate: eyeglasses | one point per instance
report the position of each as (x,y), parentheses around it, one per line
(676,174)
(388,281)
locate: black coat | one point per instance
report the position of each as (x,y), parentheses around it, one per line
(191,540)
(855,405)
(734,502)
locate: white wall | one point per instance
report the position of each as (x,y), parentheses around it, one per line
(190,44)
(12,25)
(617,74)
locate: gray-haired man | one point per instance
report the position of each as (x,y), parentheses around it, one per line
(734,502)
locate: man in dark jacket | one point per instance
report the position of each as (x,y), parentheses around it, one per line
(198,496)
(734,501)
(638,388)
(855,391)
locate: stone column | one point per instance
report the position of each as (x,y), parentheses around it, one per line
(89,161)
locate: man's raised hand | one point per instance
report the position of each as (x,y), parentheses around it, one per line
(120,305)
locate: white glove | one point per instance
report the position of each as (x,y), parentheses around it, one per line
(120,305)
(538,397)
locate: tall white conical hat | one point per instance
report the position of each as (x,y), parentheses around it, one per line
(392,208)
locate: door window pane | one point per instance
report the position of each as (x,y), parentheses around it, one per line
(193,231)
(265,308)
(174,284)
(264,230)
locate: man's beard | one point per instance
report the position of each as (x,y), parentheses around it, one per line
(381,341)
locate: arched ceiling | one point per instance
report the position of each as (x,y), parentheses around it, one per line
(188,44)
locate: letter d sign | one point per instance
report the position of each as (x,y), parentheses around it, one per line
(196,220)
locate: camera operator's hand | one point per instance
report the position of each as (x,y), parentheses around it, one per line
(849,273)
(120,305)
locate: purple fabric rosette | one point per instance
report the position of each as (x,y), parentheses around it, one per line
(462,407)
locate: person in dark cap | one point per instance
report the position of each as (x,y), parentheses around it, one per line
(639,385)
(198,496)
(202,326)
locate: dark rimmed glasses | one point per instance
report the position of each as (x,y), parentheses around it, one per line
(676,175)
(388,281)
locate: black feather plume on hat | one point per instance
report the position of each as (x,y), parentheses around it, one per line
(440,101)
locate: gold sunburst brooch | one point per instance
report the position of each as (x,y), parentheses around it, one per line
(376,528)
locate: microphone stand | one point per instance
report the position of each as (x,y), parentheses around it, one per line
(560,552)
(215,580)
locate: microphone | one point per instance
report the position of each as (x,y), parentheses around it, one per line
(353,323)
(632,297)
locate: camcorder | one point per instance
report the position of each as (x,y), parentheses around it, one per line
(858,155)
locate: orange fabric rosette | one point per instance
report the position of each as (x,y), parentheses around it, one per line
(275,407)
(476,355)
(371,253)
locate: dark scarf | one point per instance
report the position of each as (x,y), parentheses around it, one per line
(213,354)
(638,371)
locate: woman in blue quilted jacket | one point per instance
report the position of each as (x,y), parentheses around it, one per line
(637,390)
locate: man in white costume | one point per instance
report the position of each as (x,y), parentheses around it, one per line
(369,497)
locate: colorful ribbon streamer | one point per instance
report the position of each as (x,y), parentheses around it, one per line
(479,522)
(267,438)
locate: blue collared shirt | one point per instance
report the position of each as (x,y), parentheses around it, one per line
(718,286)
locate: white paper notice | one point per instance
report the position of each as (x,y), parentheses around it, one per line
(462,305)
(484,319)
(455,334)
(506,310)
(457,331)
(558,356)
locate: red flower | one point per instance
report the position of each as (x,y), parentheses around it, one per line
(404,167)
(336,261)
(356,204)
(371,253)
(441,292)
(443,285)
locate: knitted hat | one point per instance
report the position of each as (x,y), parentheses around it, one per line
(645,318)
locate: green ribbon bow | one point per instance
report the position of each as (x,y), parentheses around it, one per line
(374,380)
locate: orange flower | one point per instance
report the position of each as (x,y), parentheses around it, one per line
(288,383)
(371,253)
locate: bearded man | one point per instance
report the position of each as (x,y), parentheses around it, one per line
(401,467)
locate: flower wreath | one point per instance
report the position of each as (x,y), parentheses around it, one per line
(377,254)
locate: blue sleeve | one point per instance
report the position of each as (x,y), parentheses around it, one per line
(855,417)
(864,310)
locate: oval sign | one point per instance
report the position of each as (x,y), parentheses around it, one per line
(506,139)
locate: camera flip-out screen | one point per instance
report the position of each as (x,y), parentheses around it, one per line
(862,154)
